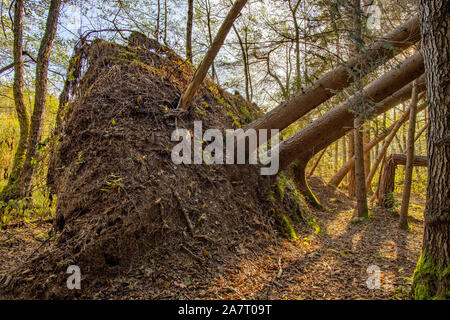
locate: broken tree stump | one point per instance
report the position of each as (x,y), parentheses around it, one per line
(386,186)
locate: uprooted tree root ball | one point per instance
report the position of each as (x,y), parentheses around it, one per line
(125,210)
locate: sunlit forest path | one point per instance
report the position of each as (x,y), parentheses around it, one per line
(331,263)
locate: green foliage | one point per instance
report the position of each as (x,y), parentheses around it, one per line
(246,113)
(37,206)
(112,183)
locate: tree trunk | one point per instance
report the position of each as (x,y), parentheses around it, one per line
(158,19)
(190,22)
(339,78)
(40,99)
(360,187)
(351,154)
(293,9)
(244,52)
(12,189)
(344,145)
(202,70)
(403,223)
(366,140)
(335,123)
(432,276)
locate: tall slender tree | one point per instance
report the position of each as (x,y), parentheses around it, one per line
(12,189)
(190,22)
(403,223)
(40,100)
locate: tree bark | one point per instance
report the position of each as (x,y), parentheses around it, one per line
(360,188)
(366,140)
(425,127)
(202,70)
(12,189)
(190,22)
(432,276)
(40,99)
(336,122)
(332,126)
(339,78)
(403,223)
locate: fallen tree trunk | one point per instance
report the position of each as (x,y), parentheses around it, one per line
(335,123)
(339,176)
(386,187)
(341,77)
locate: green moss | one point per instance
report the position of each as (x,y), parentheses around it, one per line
(421,292)
(285,188)
(127,55)
(426,275)
(288,227)
(281,184)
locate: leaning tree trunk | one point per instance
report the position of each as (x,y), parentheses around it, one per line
(432,275)
(40,99)
(403,223)
(12,189)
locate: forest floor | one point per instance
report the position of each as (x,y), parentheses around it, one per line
(331,263)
